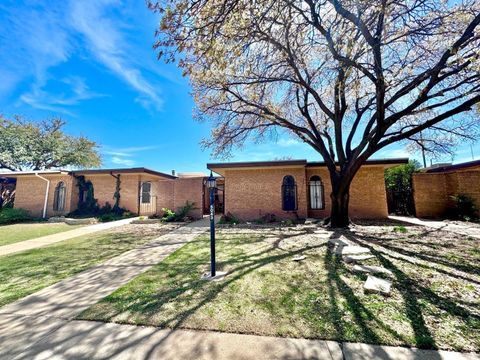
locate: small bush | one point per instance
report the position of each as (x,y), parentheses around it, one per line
(13,215)
(400,229)
(267,219)
(463,208)
(229,218)
(168,215)
(180,215)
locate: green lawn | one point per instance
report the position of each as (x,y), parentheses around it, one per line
(24,273)
(434,304)
(10,234)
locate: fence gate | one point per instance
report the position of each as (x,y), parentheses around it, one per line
(148,205)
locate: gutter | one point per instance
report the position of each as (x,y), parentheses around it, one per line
(44,214)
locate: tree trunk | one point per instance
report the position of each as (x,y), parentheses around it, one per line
(340,197)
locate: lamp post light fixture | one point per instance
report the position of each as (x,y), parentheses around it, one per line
(212,185)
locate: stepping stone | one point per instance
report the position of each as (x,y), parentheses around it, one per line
(372,269)
(357,258)
(299,258)
(351,250)
(340,241)
(377,285)
(310,221)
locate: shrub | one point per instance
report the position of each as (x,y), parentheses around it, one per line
(400,228)
(180,215)
(229,218)
(168,215)
(183,212)
(398,183)
(267,219)
(13,215)
(463,208)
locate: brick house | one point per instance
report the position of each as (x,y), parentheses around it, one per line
(249,190)
(434,186)
(142,191)
(294,188)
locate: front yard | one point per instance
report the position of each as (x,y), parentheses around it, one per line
(26,272)
(435,301)
(10,234)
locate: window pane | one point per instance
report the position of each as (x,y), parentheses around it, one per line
(146,187)
(316,193)
(61,198)
(289,194)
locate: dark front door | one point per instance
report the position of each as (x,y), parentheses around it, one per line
(289,194)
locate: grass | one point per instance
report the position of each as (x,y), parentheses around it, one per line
(434,304)
(10,234)
(24,273)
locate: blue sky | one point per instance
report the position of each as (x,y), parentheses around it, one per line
(91,62)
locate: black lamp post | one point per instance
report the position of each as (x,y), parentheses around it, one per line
(212,184)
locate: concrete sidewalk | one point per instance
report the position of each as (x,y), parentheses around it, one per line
(473,231)
(54,238)
(63,339)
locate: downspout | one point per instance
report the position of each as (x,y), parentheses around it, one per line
(44,215)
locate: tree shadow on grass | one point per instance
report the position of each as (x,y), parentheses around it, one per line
(412,291)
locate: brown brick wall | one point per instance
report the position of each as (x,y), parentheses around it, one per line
(469,184)
(368,197)
(430,194)
(252,193)
(190,189)
(30,194)
(173,194)
(104,189)
(433,191)
(164,190)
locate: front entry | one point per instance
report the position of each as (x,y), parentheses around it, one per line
(219,197)
(148,201)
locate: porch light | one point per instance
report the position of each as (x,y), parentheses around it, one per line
(211,182)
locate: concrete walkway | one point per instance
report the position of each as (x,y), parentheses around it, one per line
(23,337)
(54,238)
(464,229)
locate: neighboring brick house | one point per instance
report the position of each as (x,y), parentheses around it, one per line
(294,188)
(433,187)
(142,191)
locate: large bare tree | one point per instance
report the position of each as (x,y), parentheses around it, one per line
(347,77)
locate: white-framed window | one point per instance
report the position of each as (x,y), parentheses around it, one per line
(146,192)
(316,193)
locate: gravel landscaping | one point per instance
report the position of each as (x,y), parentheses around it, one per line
(271,289)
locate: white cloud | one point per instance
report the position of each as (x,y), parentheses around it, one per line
(77,91)
(36,40)
(126,156)
(121,161)
(393,153)
(127,151)
(107,44)
(288,142)
(41,37)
